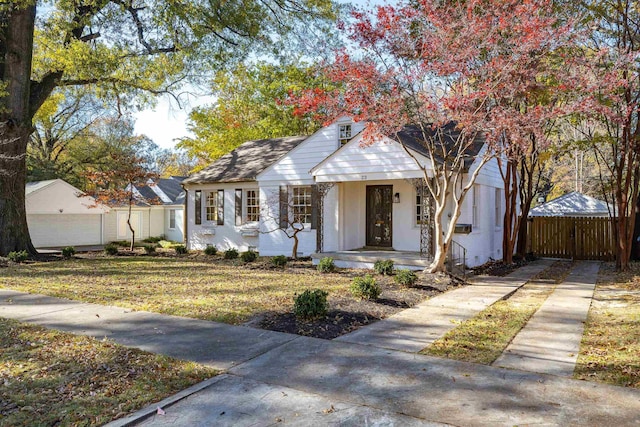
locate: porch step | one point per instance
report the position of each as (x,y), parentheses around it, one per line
(366,259)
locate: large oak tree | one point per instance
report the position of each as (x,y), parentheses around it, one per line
(130,49)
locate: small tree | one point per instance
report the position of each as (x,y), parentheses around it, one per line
(292,217)
(118,186)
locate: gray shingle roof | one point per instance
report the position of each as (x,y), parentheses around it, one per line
(166,190)
(412,137)
(246,162)
(572,204)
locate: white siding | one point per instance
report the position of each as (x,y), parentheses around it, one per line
(295,166)
(111,224)
(59,197)
(222,236)
(174,234)
(384,159)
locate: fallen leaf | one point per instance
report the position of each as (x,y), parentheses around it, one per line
(160,411)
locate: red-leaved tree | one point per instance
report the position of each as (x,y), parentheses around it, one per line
(117,187)
(467,65)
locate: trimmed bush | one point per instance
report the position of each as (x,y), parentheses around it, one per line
(111,249)
(153,239)
(122,243)
(150,249)
(311,304)
(68,252)
(231,253)
(405,277)
(279,261)
(365,288)
(384,267)
(18,256)
(180,249)
(249,256)
(210,250)
(326,265)
(167,244)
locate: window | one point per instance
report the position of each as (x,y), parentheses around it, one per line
(345,134)
(499,218)
(475,211)
(172,218)
(252,203)
(301,205)
(214,207)
(198,208)
(418,211)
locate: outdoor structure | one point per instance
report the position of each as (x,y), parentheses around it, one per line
(356,204)
(573,226)
(59,215)
(573,204)
(158,211)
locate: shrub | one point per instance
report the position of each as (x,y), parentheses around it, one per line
(384,267)
(210,250)
(231,253)
(180,249)
(19,256)
(326,265)
(153,239)
(68,252)
(249,256)
(365,287)
(123,243)
(279,261)
(405,277)
(311,304)
(111,249)
(150,249)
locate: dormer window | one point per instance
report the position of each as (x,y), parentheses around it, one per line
(345,134)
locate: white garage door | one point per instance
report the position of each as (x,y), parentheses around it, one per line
(64,230)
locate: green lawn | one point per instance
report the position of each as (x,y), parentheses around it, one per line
(200,288)
(483,338)
(52,378)
(610,348)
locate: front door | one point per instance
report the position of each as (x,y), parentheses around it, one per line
(379,207)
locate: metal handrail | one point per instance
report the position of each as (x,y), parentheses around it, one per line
(457,260)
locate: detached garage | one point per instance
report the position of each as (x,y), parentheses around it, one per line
(60,215)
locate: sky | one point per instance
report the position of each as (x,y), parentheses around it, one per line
(167,121)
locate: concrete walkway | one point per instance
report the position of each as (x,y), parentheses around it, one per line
(550,341)
(413,329)
(214,344)
(309,381)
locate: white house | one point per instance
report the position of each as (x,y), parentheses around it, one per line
(356,201)
(158,211)
(59,215)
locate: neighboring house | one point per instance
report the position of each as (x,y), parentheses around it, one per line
(351,198)
(59,215)
(158,211)
(573,204)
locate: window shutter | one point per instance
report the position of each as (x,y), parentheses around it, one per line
(284,207)
(198,209)
(238,206)
(220,207)
(314,206)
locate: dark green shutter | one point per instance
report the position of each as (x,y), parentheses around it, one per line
(284,207)
(238,206)
(198,208)
(220,207)
(314,206)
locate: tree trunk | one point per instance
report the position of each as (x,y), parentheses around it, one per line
(14,233)
(133,232)
(16,46)
(294,251)
(510,179)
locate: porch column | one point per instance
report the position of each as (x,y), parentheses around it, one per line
(426,228)
(322,190)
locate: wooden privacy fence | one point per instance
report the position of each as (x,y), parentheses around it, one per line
(575,238)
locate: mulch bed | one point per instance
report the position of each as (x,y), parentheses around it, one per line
(347,314)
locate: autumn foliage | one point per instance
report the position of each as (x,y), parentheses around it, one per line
(484,65)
